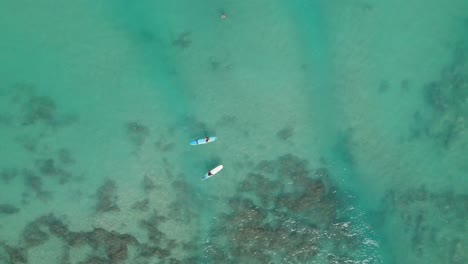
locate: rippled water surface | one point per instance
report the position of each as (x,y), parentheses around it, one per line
(342,127)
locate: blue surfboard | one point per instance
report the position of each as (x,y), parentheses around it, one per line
(202,141)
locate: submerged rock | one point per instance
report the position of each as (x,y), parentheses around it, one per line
(137,133)
(8,209)
(183,41)
(8,174)
(39,109)
(285,133)
(142,205)
(148,184)
(151,225)
(15,255)
(34,184)
(34,235)
(429,237)
(94,260)
(107,197)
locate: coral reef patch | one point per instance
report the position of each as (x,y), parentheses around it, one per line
(8,209)
(284,212)
(434,222)
(106,246)
(107,197)
(447,99)
(137,132)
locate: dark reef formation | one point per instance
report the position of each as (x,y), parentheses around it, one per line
(447,98)
(65,156)
(6,119)
(434,221)
(53,166)
(106,246)
(94,260)
(34,184)
(163,145)
(405,85)
(285,133)
(49,167)
(219,63)
(137,132)
(38,118)
(142,205)
(384,86)
(12,255)
(37,109)
(107,197)
(111,246)
(183,41)
(8,174)
(182,209)
(226,120)
(158,244)
(8,209)
(283,213)
(148,184)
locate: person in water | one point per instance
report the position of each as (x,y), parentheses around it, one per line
(223,14)
(207,139)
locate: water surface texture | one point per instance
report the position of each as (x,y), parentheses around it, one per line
(342,126)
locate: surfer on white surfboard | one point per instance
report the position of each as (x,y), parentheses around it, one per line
(212,172)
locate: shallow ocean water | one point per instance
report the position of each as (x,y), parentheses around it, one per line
(341,126)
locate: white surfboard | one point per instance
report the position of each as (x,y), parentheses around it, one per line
(212,172)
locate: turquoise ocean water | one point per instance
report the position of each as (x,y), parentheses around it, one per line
(342,127)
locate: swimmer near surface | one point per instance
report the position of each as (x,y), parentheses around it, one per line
(222,14)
